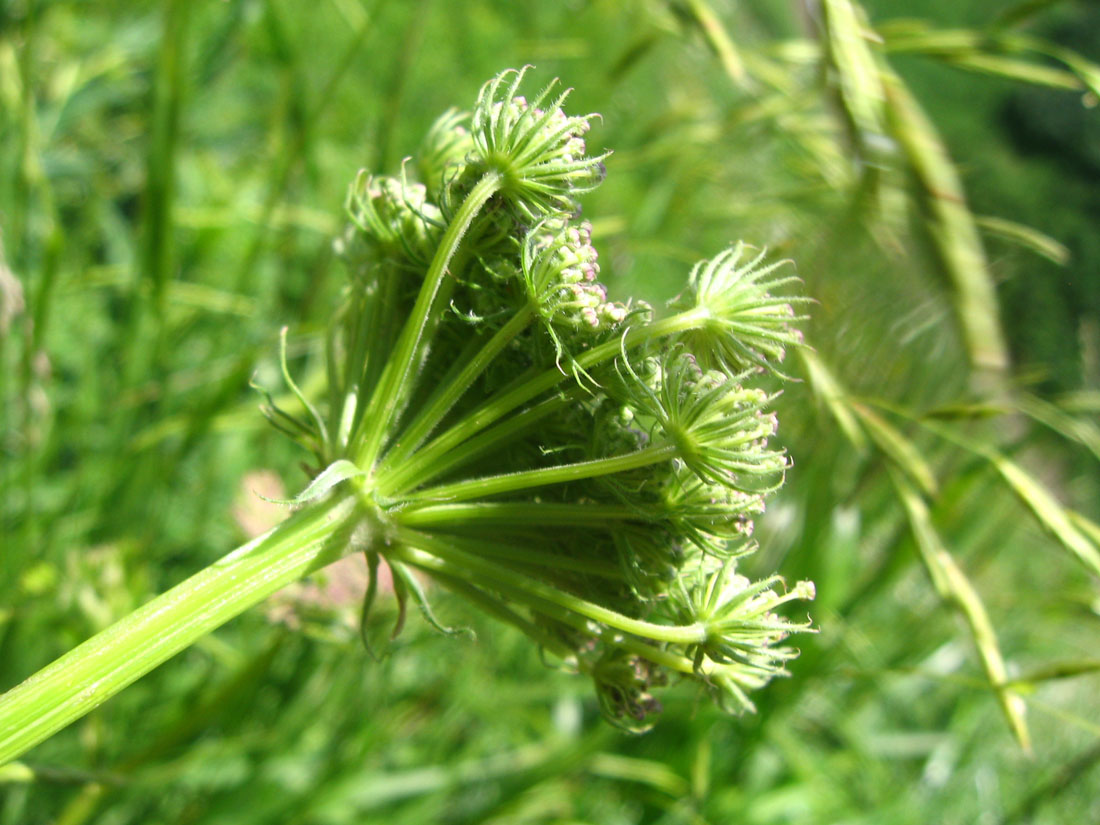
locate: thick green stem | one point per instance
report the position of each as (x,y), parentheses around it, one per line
(88,675)
(383,404)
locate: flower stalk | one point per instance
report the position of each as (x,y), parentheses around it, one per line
(105,664)
(397,374)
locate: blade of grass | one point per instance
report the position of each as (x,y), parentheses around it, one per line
(1062,780)
(1049,512)
(899,449)
(960,46)
(1011,68)
(1022,12)
(1059,670)
(390,115)
(160,172)
(1086,525)
(951,227)
(1081,430)
(1059,522)
(718,40)
(955,588)
(857,71)
(291,154)
(1026,236)
(655,774)
(828,390)
(33,193)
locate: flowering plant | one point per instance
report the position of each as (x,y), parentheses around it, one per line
(579,468)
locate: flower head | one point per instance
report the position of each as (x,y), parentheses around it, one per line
(395,215)
(740,650)
(719,427)
(560,267)
(623,686)
(444,149)
(745,325)
(602,508)
(540,150)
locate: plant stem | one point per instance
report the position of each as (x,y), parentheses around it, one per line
(439,556)
(521,556)
(503,403)
(384,401)
(428,464)
(522,513)
(88,675)
(541,477)
(434,412)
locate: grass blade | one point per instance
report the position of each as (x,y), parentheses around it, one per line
(714,33)
(955,588)
(1081,430)
(899,449)
(1011,68)
(1050,513)
(951,228)
(857,70)
(1026,236)
(827,389)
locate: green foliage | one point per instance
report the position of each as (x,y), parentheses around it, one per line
(171,177)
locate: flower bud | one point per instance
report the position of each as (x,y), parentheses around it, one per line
(744,325)
(537,148)
(395,215)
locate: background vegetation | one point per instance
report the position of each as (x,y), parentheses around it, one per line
(172,178)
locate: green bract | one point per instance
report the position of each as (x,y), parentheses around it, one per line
(581,469)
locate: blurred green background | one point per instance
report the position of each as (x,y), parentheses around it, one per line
(172,175)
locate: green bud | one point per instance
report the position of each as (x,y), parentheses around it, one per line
(746,326)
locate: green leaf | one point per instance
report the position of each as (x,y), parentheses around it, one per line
(377,640)
(401,573)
